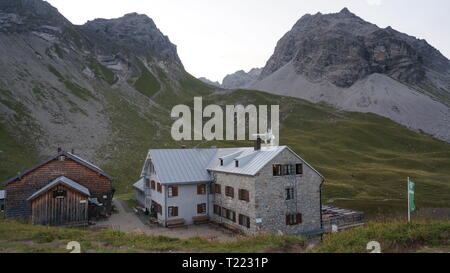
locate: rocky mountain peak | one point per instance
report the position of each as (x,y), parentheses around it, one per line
(23,15)
(342,48)
(136,32)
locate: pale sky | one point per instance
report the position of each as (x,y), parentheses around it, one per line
(218,37)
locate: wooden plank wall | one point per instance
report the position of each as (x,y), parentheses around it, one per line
(47,210)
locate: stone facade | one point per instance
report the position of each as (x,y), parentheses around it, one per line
(266,208)
(267,198)
(271,204)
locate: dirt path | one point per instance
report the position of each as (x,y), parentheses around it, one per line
(127,221)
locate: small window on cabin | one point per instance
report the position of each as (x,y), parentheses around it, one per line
(221,162)
(59,194)
(236,163)
(277,170)
(299,168)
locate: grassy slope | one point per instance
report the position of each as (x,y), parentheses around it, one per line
(365,158)
(393,237)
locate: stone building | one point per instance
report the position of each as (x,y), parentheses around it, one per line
(256,190)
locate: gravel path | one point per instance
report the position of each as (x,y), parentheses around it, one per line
(127,220)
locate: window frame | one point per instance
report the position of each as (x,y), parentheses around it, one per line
(229,191)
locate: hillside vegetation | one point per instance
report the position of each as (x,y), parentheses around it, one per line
(365,158)
(393,237)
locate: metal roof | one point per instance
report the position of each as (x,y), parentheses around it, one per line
(61,180)
(182,165)
(2,194)
(177,166)
(250,161)
(67,154)
(139,184)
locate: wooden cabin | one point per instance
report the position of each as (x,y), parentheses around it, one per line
(63,190)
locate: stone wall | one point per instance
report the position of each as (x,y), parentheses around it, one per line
(238,206)
(272,206)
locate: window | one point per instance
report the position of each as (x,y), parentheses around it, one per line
(59,194)
(236,162)
(276,170)
(158,208)
(285,169)
(290,193)
(159,187)
(299,168)
(201,208)
(221,161)
(217,210)
(229,191)
(217,188)
(201,189)
(232,215)
(244,195)
(293,219)
(153,184)
(147,183)
(172,191)
(244,220)
(173,211)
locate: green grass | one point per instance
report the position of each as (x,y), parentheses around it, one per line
(147,84)
(393,236)
(102,72)
(77,90)
(24,157)
(19,237)
(364,157)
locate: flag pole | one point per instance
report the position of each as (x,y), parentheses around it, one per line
(407,192)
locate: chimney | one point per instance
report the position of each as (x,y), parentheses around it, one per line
(258,144)
(59,149)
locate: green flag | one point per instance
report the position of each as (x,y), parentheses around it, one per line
(411,192)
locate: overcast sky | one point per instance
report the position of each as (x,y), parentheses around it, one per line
(218,37)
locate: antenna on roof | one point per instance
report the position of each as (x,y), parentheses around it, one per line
(267,137)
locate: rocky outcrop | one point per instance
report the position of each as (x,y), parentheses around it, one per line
(210,82)
(63,85)
(135,32)
(241,79)
(342,48)
(346,62)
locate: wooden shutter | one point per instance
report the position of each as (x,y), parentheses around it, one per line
(175,211)
(299,218)
(288,219)
(174,191)
(152,184)
(248,222)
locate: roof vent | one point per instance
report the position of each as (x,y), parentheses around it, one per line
(236,163)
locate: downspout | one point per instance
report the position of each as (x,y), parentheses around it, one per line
(166,209)
(320,200)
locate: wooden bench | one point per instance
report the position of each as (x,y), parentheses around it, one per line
(175,223)
(198,220)
(233,229)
